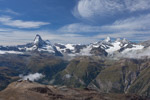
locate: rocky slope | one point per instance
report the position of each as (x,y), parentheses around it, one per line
(125,76)
(101,74)
(26,90)
(11,66)
(107,75)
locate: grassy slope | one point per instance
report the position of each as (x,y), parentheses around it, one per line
(82,71)
(126,76)
(142,84)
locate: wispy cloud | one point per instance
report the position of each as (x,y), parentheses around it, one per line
(91,8)
(8,21)
(17,37)
(137,5)
(139,23)
(130,27)
(9,11)
(79,27)
(79,33)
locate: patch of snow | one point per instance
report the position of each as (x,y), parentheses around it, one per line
(67,47)
(118,40)
(134,48)
(96,45)
(37,39)
(31,48)
(70,46)
(86,51)
(107,39)
(116,46)
(47,48)
(58,48)
(125,45)
(73,55)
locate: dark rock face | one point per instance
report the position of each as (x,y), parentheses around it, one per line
(145,43)
(99,52)
(128,46)
(7,48)
(42,90)
(79,47)
(38,41)
(60,45)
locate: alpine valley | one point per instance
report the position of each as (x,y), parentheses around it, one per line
(105,70)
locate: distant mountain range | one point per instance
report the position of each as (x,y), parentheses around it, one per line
(106,66)
(106,48)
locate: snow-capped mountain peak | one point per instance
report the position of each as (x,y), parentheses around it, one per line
(40,45)
(38,41)
(108,39)
(125,40)
(118,40)
(119,47)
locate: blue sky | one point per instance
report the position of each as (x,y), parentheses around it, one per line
(73,21)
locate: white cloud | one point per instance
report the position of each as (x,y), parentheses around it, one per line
(137,5)
(11,12)
(138,54)
(79,27)
(129,28)
(139,23)
(18,37)
(5,30)
(32,77)
(91,8)
(6,20)
(130,24)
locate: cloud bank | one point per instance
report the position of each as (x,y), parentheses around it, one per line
(32,77)
(8,21)
(138,54)
(129,28)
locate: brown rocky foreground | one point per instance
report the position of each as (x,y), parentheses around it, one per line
(26,90)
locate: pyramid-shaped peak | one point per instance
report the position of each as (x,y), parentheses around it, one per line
(108,39)
(38,40)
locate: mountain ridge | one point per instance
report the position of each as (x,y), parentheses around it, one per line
(26,90)
(107,47)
